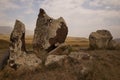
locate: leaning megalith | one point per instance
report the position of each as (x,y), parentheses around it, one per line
(100,39)
(49,33)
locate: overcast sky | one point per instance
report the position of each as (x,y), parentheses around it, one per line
(82,16)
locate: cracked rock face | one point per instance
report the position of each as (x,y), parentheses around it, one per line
(100,39)
(49,33)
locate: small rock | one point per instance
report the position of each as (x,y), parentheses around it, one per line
(62,49)
(51,59)
(80,55)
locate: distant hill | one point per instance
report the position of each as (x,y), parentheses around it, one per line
(8,30)
(76,39)
(5,29)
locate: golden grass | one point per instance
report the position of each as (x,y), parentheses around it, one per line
(75,42)
(4,37)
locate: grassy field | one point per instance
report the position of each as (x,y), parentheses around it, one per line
(75,42)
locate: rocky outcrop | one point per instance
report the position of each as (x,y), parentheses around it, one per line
(100,39)
(49,33)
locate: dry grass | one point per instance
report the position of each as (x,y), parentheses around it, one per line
(77,41)
(4,42)
(4,37)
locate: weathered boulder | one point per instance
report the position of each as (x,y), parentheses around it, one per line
(49,32)
(100,39)
(18,56)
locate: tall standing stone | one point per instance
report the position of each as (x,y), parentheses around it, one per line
(18,56)
(49,32)
(17,40)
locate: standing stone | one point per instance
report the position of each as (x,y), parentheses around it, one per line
(49,33)
(17,40)
(18,56)
(100,39)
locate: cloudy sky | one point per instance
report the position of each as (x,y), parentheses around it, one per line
(82,16)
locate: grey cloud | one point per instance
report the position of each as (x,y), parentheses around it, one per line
(102,4)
